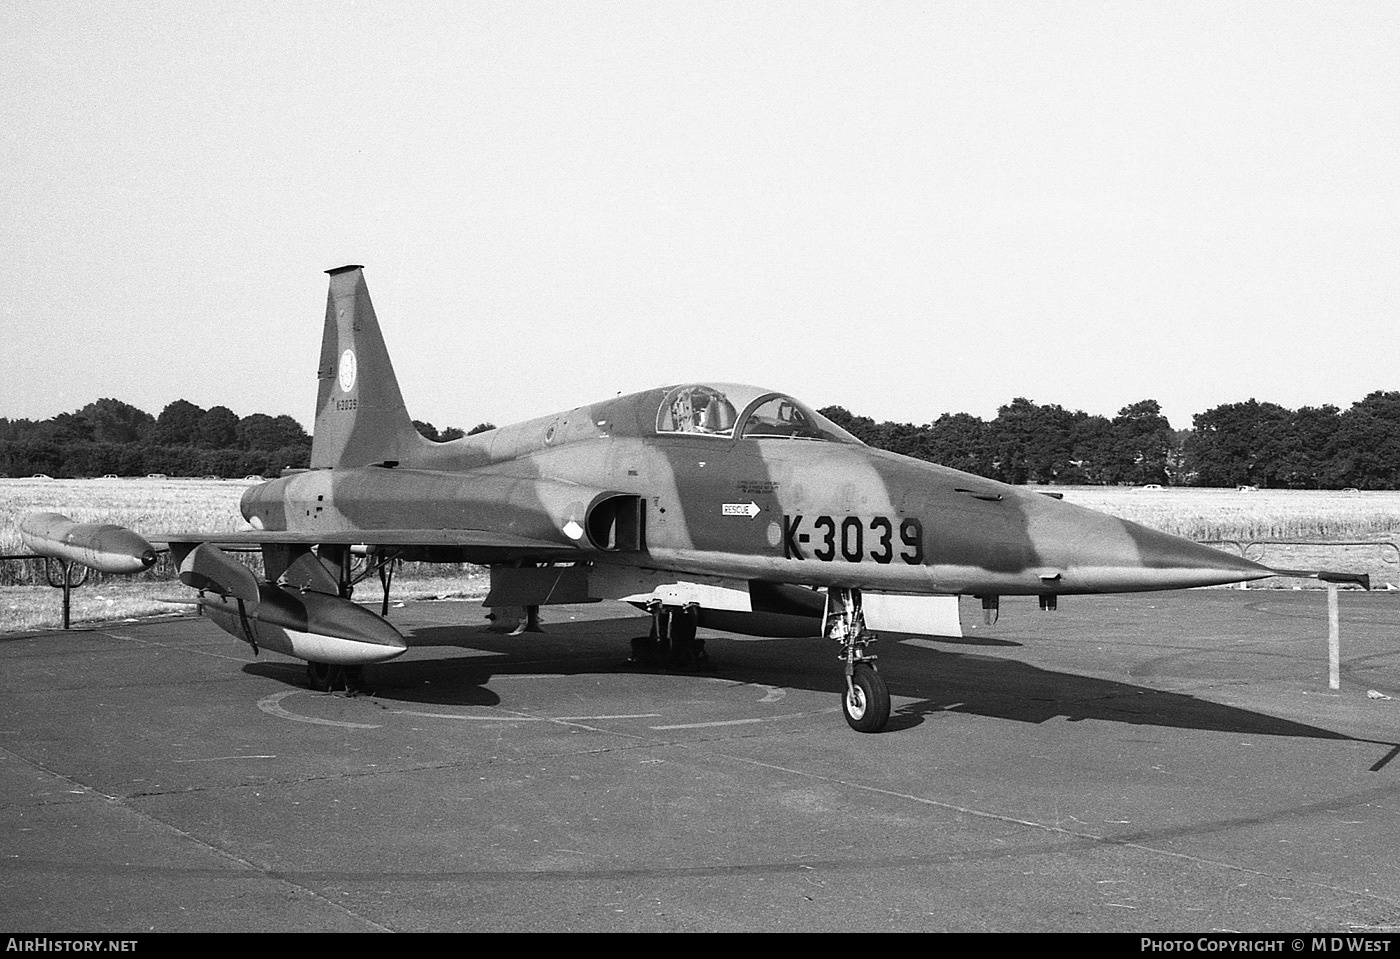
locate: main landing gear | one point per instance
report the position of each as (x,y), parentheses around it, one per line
(672,643)
(866,700)
(350,567)
(326,678)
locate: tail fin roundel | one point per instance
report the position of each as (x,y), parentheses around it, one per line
(361,419)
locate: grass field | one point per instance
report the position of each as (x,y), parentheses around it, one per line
(1221,514)
(1241,519)
(169,505)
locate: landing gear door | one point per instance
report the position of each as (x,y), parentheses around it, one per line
(920,615)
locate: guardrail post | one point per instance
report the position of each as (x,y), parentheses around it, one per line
(68,584)
(1334,639)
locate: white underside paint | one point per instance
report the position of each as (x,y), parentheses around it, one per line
(631,585)
(337,651)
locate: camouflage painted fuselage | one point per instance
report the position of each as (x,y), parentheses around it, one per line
(824,511)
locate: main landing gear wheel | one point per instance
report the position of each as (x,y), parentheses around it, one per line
(687,650)
(326,678)
(672,643)
(866,701)
(322,677)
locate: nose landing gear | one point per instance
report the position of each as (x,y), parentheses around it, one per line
(866,700)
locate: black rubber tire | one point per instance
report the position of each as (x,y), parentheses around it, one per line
(870,709)
(682,635)
(323,677)
(662,627)
(354,678)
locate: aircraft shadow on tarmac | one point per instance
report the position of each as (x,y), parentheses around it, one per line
(937,681)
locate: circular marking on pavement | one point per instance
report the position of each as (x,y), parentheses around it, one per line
(520,719)
(774,694)
(747,722)
(272,706)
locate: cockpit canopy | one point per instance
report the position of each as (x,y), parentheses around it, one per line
(728,410)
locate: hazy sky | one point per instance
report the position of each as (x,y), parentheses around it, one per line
(902,208)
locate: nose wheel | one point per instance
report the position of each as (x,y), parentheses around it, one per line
(866,702)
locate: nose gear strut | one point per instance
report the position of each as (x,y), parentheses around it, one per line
(866,700)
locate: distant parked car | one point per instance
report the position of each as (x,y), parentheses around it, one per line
(1151,486)
(254,477)
(1247,489)
(156,476)
(42,476)
(109,476)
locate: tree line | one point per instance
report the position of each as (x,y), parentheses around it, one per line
(109,436)
(1235,444)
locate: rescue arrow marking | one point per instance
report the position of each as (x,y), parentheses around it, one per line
(749,509)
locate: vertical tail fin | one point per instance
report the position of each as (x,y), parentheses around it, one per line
(360,414)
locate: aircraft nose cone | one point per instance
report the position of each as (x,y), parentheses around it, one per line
(1164,551)
(1135,557)
(1092,552)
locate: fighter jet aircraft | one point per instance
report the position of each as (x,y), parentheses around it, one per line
(708,504)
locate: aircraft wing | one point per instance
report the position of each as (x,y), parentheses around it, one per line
(476,545)
(115,549)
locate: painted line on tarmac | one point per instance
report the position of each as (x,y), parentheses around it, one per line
(272,706)
(519,719)
(173,647)
(746,722)
(774,693)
